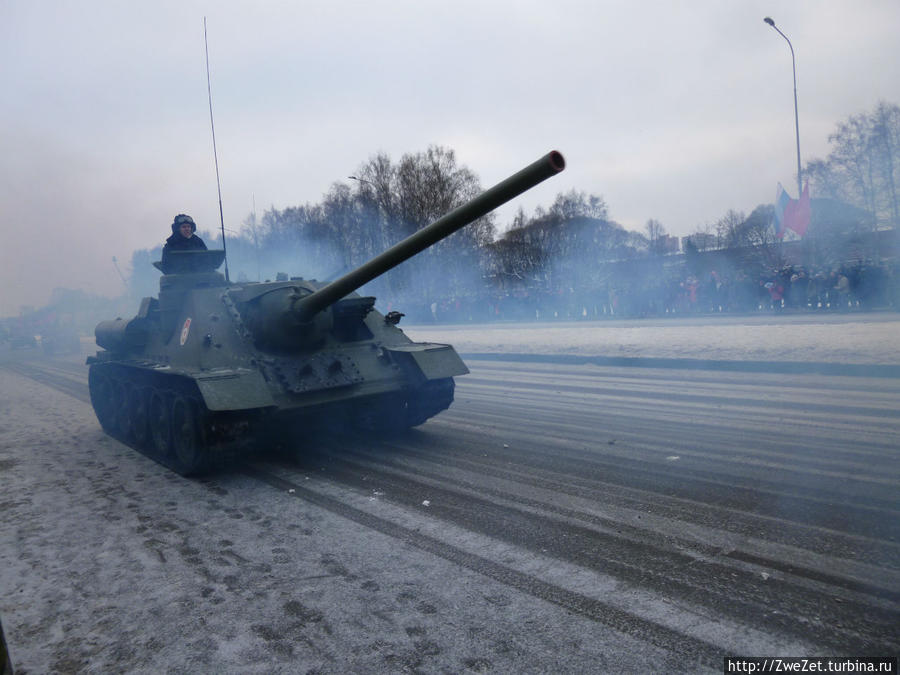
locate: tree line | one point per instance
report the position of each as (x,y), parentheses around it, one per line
(573,243)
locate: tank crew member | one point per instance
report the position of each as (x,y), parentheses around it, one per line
(183,237)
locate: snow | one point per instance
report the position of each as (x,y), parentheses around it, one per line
(864,338)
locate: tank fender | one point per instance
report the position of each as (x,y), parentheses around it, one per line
(234,389)
(434,361)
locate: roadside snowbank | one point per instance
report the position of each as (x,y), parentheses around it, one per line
(853,338)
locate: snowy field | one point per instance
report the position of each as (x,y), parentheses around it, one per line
(871,338)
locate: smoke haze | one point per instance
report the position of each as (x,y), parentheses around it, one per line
(669,112)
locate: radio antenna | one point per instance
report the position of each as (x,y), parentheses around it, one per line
(215,154)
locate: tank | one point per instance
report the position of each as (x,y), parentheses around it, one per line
(201,370)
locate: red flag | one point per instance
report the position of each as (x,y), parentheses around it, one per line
(797,213)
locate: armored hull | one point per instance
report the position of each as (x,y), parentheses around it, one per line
(186,387)
(197,371)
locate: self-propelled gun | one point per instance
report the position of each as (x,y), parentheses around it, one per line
(208,362)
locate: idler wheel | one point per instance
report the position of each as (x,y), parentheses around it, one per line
(159,411)
(189,453)
(101,390)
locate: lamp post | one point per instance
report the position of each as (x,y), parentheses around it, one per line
(769,21)
(362,180)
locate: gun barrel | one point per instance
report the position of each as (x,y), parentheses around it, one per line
(548,165)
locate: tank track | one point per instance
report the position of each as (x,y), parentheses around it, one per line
(163,417)
(396,412)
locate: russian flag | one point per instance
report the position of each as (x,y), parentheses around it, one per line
(782,202)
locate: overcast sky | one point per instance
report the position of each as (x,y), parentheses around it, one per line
(670,110)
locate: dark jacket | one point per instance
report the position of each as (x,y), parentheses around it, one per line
(177,242)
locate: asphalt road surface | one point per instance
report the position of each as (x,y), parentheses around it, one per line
(558,518)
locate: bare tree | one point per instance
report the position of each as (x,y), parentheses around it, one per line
(885,141)
(562,247)
(396,200)
(863,167)
(575,204)
(655,233)
(728,229)
(757,238)
(516,259)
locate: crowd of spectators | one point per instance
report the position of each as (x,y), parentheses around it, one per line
(793,288)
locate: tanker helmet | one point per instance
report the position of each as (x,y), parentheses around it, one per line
(180,220)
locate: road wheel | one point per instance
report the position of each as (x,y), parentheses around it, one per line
(138,402)
(189,453)
(120,402)
(100,388)
(159,421)
(384,414)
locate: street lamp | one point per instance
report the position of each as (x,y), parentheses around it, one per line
(769,21)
